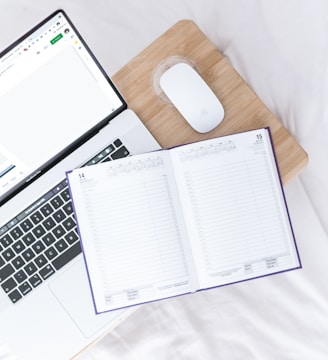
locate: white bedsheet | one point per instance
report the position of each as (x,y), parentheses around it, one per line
(281,49)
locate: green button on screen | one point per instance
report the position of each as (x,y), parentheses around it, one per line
(57,38)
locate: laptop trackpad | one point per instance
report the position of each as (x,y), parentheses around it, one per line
(72,290)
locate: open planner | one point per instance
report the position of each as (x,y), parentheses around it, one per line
(176,221)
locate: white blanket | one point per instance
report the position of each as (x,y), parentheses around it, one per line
(281,49)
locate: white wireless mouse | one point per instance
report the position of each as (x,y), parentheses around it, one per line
(192,97)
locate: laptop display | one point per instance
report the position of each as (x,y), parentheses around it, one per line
(52,93)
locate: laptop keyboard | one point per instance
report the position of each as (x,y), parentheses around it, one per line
(43,238)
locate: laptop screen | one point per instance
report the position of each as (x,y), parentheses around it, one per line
(53,93)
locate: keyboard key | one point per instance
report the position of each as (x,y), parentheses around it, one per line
(5,272)
(56,202)
(40,261)
(47,271)
(38,247)
(20,276)
(59,216)
(67,256)
(2,262)
(51,253)
(46,210)
(49,223)
(39,231)
(25,288)
(9,285)
(71,237)
(59,231)
(16,233)
(117,143)
(35,280)
(8,254)
(68,208)
(36,217)
(30,268)
(48,239)
(68,224)
(120,153)
(61,245)
(29,239)
(28,255)
(18,262)
(65,195)
(6,240)
(18,246)
(26,225)
(15,296)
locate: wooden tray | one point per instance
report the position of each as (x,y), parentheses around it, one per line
(138,83)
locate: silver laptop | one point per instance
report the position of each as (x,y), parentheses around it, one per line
(58,111)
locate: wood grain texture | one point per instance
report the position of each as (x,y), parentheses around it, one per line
(137,81)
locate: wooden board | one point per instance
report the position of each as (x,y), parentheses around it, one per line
(138,82)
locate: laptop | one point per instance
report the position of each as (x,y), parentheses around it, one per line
(58,110)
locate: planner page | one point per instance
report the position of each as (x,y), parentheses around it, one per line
(128,219)
(234,207)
